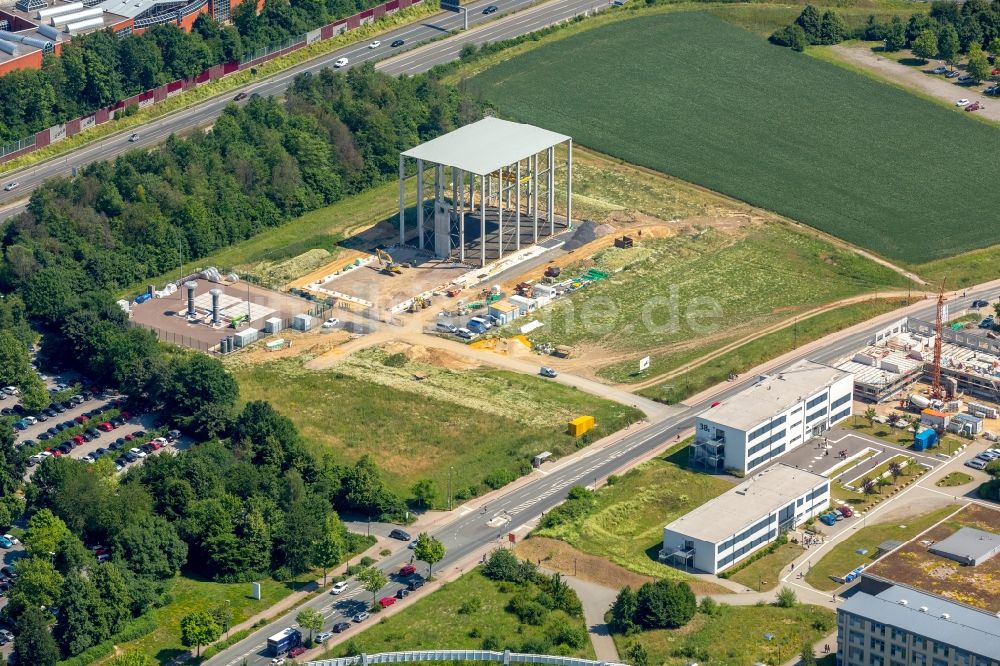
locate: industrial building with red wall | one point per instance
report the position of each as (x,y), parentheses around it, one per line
(34,28)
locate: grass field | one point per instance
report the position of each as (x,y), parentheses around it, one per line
(734,636)
(765,573)
(757,351)
(472,421)
(844,557)
(191,595)
(626,522)
(953,479)
(451,618)
(682,296)
(804,150)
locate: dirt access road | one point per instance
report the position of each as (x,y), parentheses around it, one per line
(917,77)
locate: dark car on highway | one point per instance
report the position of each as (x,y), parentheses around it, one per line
(489,10)
(397,43)
(980,303)
(240,96)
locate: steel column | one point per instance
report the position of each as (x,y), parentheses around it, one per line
(517,205)
(482,222)
(500,190)
(569,185)
(420,203)
(534,196)
(402,200)
(550,195)
(461,217)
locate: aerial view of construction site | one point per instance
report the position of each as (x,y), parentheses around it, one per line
(565,391)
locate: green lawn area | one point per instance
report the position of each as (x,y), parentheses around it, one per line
(625,523)
(883,467)
(462,614)
(764,19)
(765,573)
(953,479)
(682,296)
(843,557)
(474,422)
(735,636)
(756,351)
(190,595)
(804,150)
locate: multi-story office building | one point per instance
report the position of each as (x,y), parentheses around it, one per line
(886,624)
(729,528)
(775,415)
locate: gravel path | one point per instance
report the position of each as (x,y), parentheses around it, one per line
(918,77)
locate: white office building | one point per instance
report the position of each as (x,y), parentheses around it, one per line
(720,533)
(777,414)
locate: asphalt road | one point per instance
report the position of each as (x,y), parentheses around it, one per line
(477,526)
(414,57)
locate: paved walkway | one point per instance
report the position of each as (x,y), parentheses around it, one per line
(596,600)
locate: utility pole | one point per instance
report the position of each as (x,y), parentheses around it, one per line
(450,469)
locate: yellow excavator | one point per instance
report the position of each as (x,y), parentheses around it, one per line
(389,266)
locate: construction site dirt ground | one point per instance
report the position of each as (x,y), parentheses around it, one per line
(386,290)
(924,389)
(166,317)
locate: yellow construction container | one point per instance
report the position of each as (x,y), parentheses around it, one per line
(580,425)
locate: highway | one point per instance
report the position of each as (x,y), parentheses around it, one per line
(417,55)
(476,525)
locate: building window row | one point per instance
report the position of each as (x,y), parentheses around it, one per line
(816,492)
(767,427)
(766,443)
(839,401)
(745,548)
(767,456)
(840,415)
(815,401)
(815,415)
(745,534)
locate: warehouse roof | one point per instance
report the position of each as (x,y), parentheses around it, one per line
(969,545)
(773,394)
(133,8)
(486,145)
(742,506)
(931,616)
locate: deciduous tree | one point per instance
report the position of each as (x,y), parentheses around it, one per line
(373,580)
(311,619)
(925,45)
(33,644)
(199,628)
(429,550)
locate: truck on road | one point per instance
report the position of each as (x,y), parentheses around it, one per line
(283,641)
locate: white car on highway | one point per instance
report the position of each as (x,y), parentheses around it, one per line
(962,102)
(340,62)
(13,185)
(375,44)
(338,588)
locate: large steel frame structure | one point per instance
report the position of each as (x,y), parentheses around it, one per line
(501,162)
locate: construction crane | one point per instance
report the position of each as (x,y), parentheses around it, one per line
(388,265)
(936,391)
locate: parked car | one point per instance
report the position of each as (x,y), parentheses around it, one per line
(296,651)
(976,463)
(341,627)
(965,78)
(397,43)
(548,372)
(385,602)
(415,583)
(446,327)
(402,593)
(324,636)
(338,587)
(465,334)
(828,518)
(963,102)
(331,322)
(975,106)
(361,617)
(953,74)
(6,543)
(137,452)
(407,570)
(845,511)
(401,535)
(340,62)
(940,69)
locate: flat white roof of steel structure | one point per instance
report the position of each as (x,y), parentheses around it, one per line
(739,508)
(486,145)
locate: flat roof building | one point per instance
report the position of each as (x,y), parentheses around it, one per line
(514,164)
(777,414)
(969,545)
(730,527)
(900,625)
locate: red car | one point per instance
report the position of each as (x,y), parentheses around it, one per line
(82,418)
(156,445)
(106,426)
(385,602)
(129,437)
(975,106)
(296,651)
(77,440)
(56,452)
(407,570)
(846,511)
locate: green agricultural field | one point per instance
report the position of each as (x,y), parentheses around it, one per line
(734,636)
(782,131)
(625,521)
(468,613)
(682,296)
(475,422)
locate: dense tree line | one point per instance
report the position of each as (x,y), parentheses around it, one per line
(948,31)
(125,221)
(98,69)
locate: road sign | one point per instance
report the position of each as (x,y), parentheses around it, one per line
(511,537)
(643,364)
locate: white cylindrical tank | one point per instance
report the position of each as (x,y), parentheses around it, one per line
(919,401)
